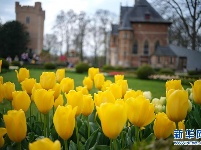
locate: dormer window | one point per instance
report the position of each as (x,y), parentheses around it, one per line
(147,16)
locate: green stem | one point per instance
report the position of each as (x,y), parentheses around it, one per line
(11,107)
(30,109)
(88,126)
(115,144)
(47,127)
(19,146)
(110,144)
(137,134)
(66,144)
(177,125)
(77,135)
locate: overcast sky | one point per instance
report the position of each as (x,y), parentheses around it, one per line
(53,7)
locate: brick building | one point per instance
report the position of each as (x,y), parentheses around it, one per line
(141,37)
(33,18)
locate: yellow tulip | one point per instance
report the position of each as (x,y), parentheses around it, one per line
(173,84)
(35,87)
(67,84)
(21,100)
(147,94)
(75,99)
(45,144)
(48,80)
(28,84)
(1,92)
(105,85)
(15,122)
(113,117)
(0,64)
(60,74)
(196,90)
(177,105)
(1,80)
(8,88)
(132,93)
(163,126)
(22,74)
(88,83)
(118,77)
(116,90)
(124,86)
(44,100)
(92,72)
(140,111)
(103,97)
(64,121)
(99,79)
(2,132)
(57,90)
(82,89)
(88,105)
(59,101)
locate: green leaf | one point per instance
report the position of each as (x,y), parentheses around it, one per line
(72,146)
(100,147)
(92,140)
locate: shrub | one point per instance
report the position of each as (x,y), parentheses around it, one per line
(81,67)
(49,66)
(108,67)
(194,72)
(5,64)
(15,63)
(144,72)
(166,71)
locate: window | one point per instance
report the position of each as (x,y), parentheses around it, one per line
(114,40)
(159,59)
(146,48)
(135,48)
(157,44)
(171,60)
(27,20)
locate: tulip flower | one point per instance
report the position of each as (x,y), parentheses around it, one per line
(0,64)
(60,74)
(2,132)
(132,93)
(64,121)
(118,77)
(44,100)
(88,105)
(124,86)
(173,84)
(92,72)
(48,80)
(196,90)
(28,84)
(75,99)
(105,85)
(116,90)
(99,80)
(1,92)
(35,87)
(8,88)
(103,97)
(16,126)
(113,117)
(140,111)
(67,84)
(177,105)
(45,144)
(163,127)
(88,83)
(21,100)
(22,74)
(1,80)
(82,89)
(147,94)
(59,101)
(57,90)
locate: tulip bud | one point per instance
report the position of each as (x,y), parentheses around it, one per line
(103,97)
(28,84)
(173,84)
(88,83)
(60,74)
(82,89)
(118,77)
(8,88)
(57,90)
(196,90)
(88,105)
(99,79)
(106,85)
(92,72)
(1,80)
(67,84)
(132,93)
(0,64)
(147,94)
(2,132)
(22,74)
(59,101)
(190,106)
(48,80)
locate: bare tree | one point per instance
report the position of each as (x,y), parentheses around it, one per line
(189,12)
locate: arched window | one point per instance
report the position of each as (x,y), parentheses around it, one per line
(146,48)
(157,44)
(135,48)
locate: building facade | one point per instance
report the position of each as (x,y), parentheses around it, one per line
(33,18)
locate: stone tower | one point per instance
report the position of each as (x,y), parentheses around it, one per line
(33,18)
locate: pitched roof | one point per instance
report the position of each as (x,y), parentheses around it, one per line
(138,13)
(164,51)
(115,28)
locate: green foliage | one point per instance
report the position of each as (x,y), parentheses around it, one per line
(194,72)
(49,66)
(16,63)
(5,64)
(108,67)
(166,71)
(81,67)
(144,72)
(13,39)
